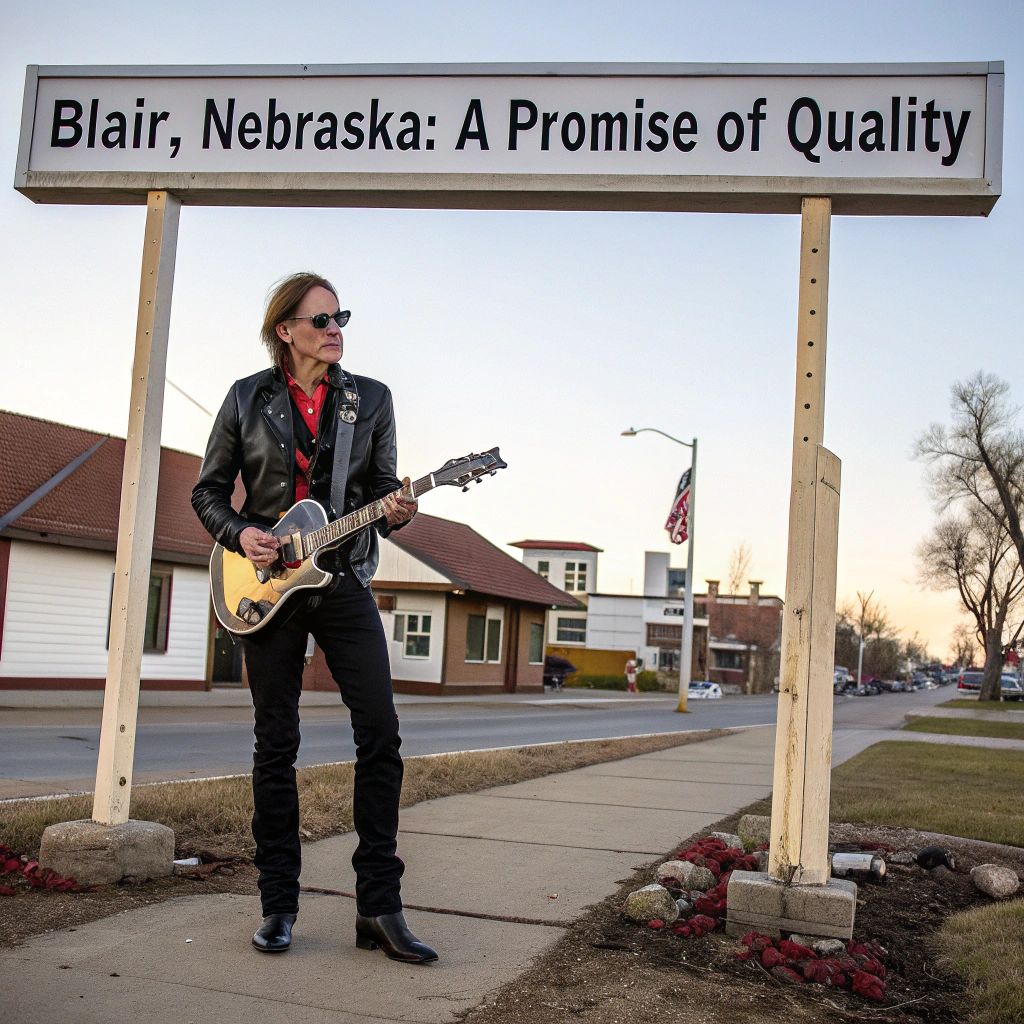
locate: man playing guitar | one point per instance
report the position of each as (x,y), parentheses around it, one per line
(307,428)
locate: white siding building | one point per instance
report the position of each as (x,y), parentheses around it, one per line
(58,534)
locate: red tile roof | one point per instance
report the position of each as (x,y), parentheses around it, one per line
(553,545)
(474,563)
(85,506)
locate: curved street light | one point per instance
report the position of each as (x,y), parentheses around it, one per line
(686,646)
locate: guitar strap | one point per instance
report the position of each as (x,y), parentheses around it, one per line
(348,411)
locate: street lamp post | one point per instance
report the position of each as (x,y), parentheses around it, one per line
(686,646)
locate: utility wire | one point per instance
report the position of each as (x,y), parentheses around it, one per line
(181,391)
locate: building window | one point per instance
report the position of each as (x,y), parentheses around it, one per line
(663,634)
(475,626)
(668,661)
(158,610)
(413,632)
(729,659)
(536,643)
(572,631)
(676,582)
(543,568)
(385,602)
(494,640)
(576,576)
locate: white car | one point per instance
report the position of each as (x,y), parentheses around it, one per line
(704,691)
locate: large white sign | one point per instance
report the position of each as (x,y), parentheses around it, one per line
(914,139)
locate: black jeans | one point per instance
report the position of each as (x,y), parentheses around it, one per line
(346,626)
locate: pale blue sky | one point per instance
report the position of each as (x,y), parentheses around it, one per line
(549,333)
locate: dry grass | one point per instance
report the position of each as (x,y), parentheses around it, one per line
(212,818)
(967,727)
(985,947)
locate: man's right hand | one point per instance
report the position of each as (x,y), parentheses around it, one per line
(259,547)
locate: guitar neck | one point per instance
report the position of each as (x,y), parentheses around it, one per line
(360,519)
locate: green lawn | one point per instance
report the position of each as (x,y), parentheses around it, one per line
(967,727)
(971,792)
(989,705)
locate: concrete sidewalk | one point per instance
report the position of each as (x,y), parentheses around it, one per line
(848,743)
(1003,715)
(503,853)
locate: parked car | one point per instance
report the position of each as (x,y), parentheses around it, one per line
(1012,688)
(704,691)
(969,681)
(1010,685)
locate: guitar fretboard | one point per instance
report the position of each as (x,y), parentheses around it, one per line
(358,520)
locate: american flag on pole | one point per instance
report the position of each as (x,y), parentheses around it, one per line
(678,518)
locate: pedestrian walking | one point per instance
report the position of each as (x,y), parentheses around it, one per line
(631,676)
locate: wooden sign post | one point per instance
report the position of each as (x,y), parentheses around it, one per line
(138,514)
(803,738)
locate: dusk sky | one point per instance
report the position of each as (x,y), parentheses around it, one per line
(550,333)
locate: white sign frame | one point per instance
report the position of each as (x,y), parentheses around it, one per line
(971,195)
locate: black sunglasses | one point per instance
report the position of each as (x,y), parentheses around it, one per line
(321,320)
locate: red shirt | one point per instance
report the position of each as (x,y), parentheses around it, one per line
(309,410)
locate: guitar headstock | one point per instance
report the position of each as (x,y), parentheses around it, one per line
(462,472)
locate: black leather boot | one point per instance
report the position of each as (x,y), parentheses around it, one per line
(390,933)
(275,934)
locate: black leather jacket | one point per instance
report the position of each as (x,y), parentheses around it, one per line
(253,435)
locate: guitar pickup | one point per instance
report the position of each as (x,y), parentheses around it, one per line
(291,551)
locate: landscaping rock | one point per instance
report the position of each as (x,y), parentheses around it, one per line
(731,841)
(901,857)
(762,859)
(807,941)
(696,877)
(675,869)
(828,947)
(685,907)
(651,903)
(995,881)
(755,828)
(941,873)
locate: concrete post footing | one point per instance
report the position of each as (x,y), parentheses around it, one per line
(95,854)
(759,903)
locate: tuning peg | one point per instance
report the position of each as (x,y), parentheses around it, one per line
(493,472)
(466,488)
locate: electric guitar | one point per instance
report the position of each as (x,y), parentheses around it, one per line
(246,597)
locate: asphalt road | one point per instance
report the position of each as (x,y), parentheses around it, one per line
(187,746)
(197,748)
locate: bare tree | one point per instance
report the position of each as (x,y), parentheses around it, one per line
(739,566)
(963,645)
(970,551)
(865,633)
(980,456)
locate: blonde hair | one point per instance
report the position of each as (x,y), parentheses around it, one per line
(282,302)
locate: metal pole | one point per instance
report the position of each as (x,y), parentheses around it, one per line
(860,657)
(686,648)
(138,515)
